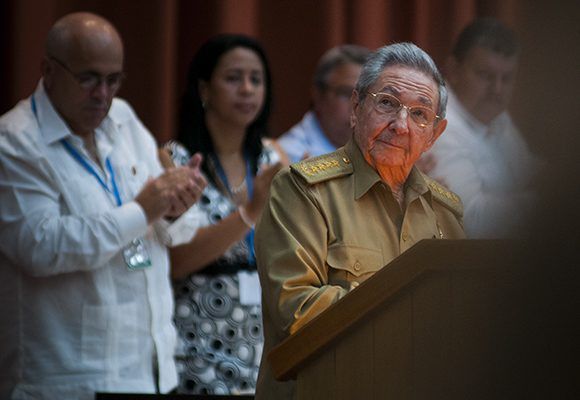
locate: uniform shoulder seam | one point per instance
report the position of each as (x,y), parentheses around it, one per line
(322,168)
(445,196)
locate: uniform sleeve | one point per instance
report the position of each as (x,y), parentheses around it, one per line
(291,249)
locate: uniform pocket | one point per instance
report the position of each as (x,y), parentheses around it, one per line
(355,260)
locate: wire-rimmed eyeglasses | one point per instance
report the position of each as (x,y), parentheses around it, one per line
(90,80)
(388,104)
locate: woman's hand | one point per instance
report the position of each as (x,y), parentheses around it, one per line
(261,190)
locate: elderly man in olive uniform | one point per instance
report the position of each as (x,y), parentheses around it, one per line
(333,221)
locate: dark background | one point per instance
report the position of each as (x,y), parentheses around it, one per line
(162,35)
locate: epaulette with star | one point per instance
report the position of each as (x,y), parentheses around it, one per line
(322,168)
(445,196)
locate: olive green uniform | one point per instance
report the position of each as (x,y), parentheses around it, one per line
(330,224)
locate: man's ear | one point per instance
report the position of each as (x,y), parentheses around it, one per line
(437,131)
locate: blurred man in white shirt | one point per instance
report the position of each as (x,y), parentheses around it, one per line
(482,155)
(326,126)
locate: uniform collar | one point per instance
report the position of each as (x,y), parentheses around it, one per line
(416,186)
(365,176)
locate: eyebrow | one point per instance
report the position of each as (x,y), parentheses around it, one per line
(392,90)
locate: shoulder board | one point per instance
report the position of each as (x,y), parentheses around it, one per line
(322,168)
(445,196)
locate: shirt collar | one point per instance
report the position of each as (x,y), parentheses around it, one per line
(475,124)
(316,136)
(54,128)
(366,176)
(50,123)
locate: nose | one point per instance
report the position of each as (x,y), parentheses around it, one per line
(400,123)
(101,90)
(247,85)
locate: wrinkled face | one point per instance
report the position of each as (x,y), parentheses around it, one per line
(236,93)
(84,106)
(332,103)
(395,140)
(484,82)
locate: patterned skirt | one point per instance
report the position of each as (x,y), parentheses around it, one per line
(220,340)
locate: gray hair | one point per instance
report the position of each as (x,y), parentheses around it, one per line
(335,57)
(406,54)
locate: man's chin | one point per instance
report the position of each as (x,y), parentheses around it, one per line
(387,159)
(94,118)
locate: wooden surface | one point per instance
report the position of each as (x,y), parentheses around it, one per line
(425,311)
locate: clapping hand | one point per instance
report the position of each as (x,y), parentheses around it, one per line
(262,183)
(173,192)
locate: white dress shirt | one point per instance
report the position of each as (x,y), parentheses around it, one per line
(490,167)
(305,137)
(75,319)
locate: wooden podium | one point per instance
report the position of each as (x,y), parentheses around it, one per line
(438,322)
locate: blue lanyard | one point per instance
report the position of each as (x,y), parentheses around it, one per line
(33,102)
(250,186)
(114,190)
(81,160)
(222,175)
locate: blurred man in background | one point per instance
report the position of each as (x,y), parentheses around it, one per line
(326,126)
(482,155)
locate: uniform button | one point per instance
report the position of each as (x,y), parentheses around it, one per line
(357,266)
(405,236)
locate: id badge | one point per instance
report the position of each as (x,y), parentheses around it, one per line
(250,292)
(136,255)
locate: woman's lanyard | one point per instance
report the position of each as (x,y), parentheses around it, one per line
(250,187)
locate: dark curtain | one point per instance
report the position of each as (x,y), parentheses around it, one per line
(161,36)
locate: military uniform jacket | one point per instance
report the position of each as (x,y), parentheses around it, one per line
(330,224)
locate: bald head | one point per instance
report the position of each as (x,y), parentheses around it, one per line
(82,69)
(77,33)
